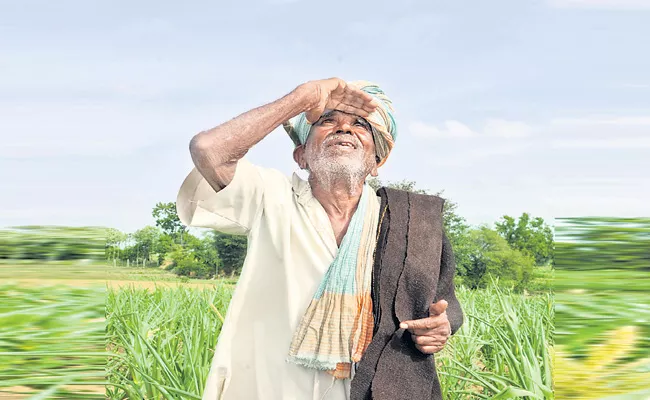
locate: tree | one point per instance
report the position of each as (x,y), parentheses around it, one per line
(145,242)
(406,185)
(491,257)
(185,263)
(114,242)
(36,242)
(529,235)
(208,254)
(232,251)
(167,219)
(163,246)
(591,243)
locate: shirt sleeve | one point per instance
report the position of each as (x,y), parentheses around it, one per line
(235,208)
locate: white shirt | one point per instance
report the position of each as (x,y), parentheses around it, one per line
(290,246)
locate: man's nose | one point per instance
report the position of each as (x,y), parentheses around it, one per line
(344,128)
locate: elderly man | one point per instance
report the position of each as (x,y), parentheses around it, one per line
(345,293)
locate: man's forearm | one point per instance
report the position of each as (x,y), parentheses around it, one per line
(215,152)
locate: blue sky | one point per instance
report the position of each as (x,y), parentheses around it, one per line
(509,106)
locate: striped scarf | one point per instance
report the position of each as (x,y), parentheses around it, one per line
(337,326)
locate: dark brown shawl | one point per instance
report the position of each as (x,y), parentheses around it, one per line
(414,267)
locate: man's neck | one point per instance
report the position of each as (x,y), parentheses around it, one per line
(339,204)
(339,201)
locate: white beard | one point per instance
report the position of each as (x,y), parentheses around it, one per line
(340,171)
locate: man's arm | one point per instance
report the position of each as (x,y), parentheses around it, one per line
(215,152)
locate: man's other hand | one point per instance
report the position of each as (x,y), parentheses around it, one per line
(430,334)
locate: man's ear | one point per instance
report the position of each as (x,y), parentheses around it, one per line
(374,171)
(299,156)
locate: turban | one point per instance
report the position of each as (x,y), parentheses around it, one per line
(382,121)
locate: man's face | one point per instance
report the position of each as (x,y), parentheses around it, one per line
(341,143)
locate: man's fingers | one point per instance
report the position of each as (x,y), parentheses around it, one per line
(429,349)
(357,98)
(356,92)
(429,340)
(315,113)
(438,308)
(312,116)
(425,323)
(336,94)
(352,110)
(353,101)
(442,329)
(355,106)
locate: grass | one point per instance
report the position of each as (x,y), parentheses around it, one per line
(53,325)
(590,304)
(155,335)
(160,339)
(503,348)
(603,334)
(603,280)
(163,340)
(52,342)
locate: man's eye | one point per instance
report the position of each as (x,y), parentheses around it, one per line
(363,125)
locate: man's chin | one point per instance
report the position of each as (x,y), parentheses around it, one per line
(343,155)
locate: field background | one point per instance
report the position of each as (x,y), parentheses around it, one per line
(151,334)
(53,341)
(64,331)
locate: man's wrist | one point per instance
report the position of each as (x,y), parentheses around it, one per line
(307,96)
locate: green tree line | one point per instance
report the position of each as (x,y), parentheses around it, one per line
(52,243)
(170,245)
(509,251)
(593,243)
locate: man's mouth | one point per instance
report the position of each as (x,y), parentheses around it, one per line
(343,143)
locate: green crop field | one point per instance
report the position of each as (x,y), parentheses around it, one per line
(52,342)
(164,341)
(65,333)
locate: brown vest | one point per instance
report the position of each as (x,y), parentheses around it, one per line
(411,271)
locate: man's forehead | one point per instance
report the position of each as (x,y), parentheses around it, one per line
(333,113)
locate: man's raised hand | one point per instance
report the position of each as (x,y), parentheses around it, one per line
(430,334)
(336,94)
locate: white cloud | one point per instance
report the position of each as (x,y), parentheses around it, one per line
(282,2)
(622,134)
(609,4)
(595,203)
(468,157)
(613,143)
(73,129)
(633,86)
(506,129)
(600,132)
(69,129)
(604,120)
(451,129)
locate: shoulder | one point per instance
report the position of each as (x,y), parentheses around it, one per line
(405,198)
